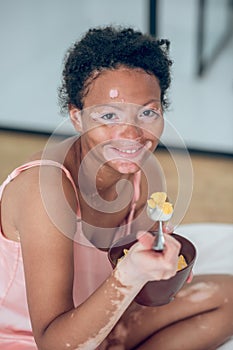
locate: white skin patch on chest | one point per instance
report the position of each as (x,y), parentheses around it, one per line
(198,291)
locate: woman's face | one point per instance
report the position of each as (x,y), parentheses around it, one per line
(121,118)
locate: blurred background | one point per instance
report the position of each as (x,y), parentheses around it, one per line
(34,38)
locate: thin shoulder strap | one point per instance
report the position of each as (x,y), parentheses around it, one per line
(35,163)
(137,182)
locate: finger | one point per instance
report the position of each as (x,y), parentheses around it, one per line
(172,246)
(190,277)
(146,239)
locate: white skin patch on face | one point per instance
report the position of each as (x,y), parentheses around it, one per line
(95,115)
(113,93)
(199,291)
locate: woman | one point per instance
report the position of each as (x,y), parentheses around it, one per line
(61,211)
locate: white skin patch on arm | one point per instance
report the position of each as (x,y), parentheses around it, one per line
(122,297)
(113,93)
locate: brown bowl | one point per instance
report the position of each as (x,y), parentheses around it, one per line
(156,293)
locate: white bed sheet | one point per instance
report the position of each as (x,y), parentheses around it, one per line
(214,243)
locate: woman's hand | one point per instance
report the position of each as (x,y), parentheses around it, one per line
(169,228)
(142,264)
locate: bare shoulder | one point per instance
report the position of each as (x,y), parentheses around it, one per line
(45,192)
(38,191)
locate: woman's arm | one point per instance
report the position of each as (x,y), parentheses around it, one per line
(48,263)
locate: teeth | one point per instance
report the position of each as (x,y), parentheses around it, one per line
(129,151)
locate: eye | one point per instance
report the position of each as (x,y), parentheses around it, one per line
(105,115)
(149,114)
(110,118)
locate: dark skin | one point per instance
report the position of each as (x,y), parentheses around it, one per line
(57,324)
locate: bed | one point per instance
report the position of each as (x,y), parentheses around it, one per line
(214,243)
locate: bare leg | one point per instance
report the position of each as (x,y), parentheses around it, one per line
(200,318)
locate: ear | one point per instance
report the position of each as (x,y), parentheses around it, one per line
(75,116)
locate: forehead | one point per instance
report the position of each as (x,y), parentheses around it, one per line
(122,85)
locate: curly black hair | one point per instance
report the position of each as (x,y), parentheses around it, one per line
(109,48)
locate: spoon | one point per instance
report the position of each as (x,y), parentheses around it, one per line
(159,210)
(159,241)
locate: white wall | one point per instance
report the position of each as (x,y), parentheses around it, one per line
(201,109)
(34,36)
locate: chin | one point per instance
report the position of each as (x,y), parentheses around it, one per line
(124,167)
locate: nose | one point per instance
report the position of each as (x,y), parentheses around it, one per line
(130,128)
(130,131)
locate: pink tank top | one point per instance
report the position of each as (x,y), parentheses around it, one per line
(15,326)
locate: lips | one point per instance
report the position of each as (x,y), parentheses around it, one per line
(126,150)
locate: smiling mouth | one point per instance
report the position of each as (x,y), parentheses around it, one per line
(126,151)
(129,151)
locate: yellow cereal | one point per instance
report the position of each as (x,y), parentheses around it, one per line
(125,251)
(151,203)
(167,208)
(159,197)
(181,263)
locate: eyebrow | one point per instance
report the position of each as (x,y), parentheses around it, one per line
(151,101)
